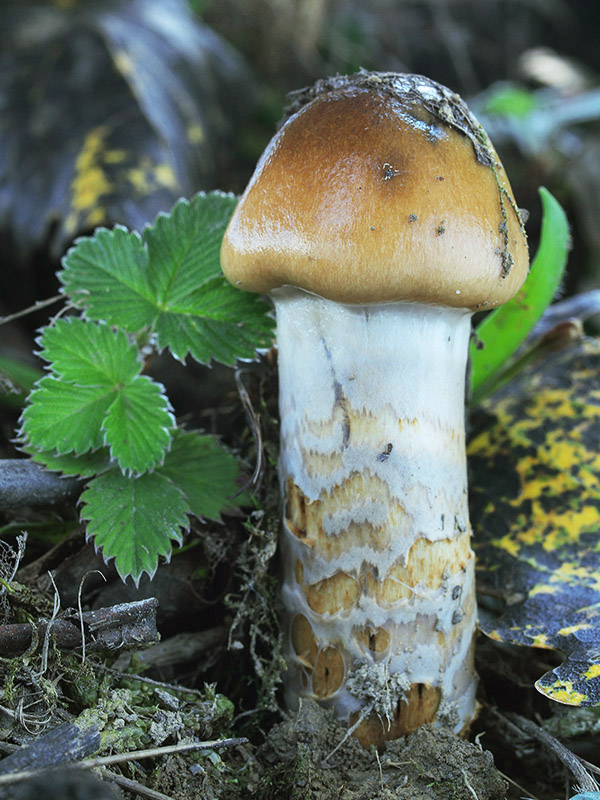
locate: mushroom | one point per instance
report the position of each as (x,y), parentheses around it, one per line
(378,219)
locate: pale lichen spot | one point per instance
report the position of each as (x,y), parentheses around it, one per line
(195,133)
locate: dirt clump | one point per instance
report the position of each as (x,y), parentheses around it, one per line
(307,758)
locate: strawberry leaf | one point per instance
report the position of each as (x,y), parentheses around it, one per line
(66,417)
(88,354)
(137,425)
(134,519)
(107,274)
(85,465)
(170,282)
(204,471)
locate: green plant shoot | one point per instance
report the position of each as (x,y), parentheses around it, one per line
(504,330)
(97,414)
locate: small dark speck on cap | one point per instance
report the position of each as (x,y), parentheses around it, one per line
(412,217)
(372,227)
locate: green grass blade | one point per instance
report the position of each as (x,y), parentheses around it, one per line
(505,329)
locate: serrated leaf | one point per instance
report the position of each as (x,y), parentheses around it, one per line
(134,519)
(66,417)
(107,274)
(204,471)
(88,353)
(171,282)
(504,330)
(138,424)
(86,465)
(209,328)
(534,460)
(184,246)
(200,313)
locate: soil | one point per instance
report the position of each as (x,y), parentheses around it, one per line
(311,757)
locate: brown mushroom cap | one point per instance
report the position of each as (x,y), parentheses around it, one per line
(380,188)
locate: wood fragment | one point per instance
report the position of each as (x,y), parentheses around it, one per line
(25,483)
(106,629)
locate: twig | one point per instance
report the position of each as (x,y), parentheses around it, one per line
(166,750)
(112,628)
(39,304)
(254,424)
(80,609)
(117,758)
(25,483)
(174,687)
(132,786)
(568,758)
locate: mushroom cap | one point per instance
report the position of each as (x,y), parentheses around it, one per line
(379,188)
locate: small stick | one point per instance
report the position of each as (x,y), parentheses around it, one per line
(569,759)
(132,786)
(111,628)
(39,304)
(117,758)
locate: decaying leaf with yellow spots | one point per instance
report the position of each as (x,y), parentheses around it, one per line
(534,459)
(110,112)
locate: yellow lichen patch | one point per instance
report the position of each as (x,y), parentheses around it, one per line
(592,672)
(328,673)
(123,63)
(574,573)
(508,543)
(165,176)
(90,183)
(304,641)
(427,565)
(299,572)
(569,629)
(334,594)
(115,156)
(564,692)
(195,133)
(543,588)
(540,640)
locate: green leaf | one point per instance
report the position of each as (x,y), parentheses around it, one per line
(504,330)
(107,274)
(171,283)
(89,354)
(209,326)
(184,246)
(204,471)
(86,465)
(138,424)
(534,495)
(17,379)
(134,519)
(66,417)
(511,101)
(200,313)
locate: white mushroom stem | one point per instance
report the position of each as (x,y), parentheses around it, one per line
(378,570)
